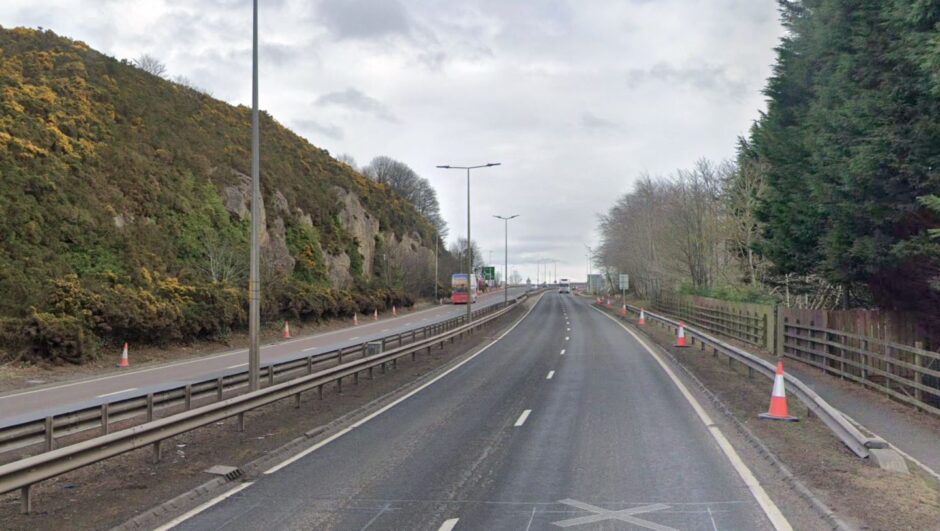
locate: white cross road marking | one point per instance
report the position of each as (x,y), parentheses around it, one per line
(625,515)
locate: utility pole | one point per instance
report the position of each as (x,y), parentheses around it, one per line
(254,281)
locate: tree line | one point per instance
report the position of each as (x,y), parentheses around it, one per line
(832,200)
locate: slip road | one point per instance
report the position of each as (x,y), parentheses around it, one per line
(606,441)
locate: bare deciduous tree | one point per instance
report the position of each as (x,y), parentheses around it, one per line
(150,64)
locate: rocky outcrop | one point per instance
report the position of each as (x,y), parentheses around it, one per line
(274,252)
(360,224)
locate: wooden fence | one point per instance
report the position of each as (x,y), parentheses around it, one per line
(751,323)
(884,351)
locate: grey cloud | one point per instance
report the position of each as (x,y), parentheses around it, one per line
(356,100)
(704,77)
(364,19)
(592,122)
(312,126)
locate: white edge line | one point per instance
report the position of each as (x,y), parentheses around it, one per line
(448,525)
(186,516)
(521,420)
(767,505)
(342,432)
(117,392)
(550,374)
(236,366)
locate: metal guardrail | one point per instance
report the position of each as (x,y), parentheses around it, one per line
(854,439)
(23,474)
(47,429)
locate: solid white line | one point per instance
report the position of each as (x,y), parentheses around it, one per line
(550,374)
(448,525)
(562,352)
(769,507)
(186,516)
(340,433)
(521,420)
(236,366)
(118,392)
(312,449)
(310,349)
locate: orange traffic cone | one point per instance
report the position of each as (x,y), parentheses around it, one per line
(623,311)
(355,319)
(608,303)
(125,362)
(642,320)
(286,330)
(394,311)
(680,335)
(375,314)
(778,399)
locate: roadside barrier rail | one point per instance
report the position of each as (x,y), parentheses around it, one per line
(854,439)
(49,428)
(25,473)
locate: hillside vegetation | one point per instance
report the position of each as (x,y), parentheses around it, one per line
(118,216)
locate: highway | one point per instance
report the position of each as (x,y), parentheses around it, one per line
(566,422)
(19,405)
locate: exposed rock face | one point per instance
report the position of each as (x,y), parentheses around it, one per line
(362,225)
(274,250)
(338,269)
(407,253)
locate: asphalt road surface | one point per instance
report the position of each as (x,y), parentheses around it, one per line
(519,437)
(21,405)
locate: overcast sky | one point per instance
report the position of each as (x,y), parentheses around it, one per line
(575,98)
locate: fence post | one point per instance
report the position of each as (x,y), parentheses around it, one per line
(104,418)
(918,374)
(50,434)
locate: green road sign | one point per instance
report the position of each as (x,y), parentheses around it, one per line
(489,273)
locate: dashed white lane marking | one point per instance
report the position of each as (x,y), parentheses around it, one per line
(550,374)
(448,525)
(310,349)
(567,329)
(354,338)
(236,366)
(521,420)
(567,338)
(562,352)
(118,392)
(344,431)
(186,516)
(757,490)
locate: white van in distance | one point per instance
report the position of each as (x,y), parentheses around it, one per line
(564,285)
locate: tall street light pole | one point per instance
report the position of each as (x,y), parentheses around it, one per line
(469,247)
(506,255)
(254,284)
